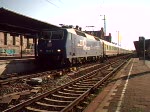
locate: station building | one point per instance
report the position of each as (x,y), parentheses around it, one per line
(19,35)
(13,44)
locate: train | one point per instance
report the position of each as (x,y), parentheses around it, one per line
(68,46)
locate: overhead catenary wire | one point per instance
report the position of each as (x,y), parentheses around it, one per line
(51,3)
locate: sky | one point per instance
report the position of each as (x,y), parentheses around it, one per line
(131,18)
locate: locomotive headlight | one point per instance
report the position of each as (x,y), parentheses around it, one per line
(58,50)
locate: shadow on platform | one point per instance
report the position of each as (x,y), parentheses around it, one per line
(11,65)
(131,76)
(15,57)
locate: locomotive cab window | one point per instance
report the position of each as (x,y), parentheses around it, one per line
(52,35)
(46,35)
(57,35)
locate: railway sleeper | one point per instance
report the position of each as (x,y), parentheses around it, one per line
(84,89)
(60,98)
(66,97)
(69,90)
(44,106)
(77,83)
(37,110)
(70,94)
(82,86)
(49,105)
(52,100)
(76,90)
(86,84)
(91,80)
(72,91)
(98,78)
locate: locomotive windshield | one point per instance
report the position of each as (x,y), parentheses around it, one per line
(57,35)
(53,35)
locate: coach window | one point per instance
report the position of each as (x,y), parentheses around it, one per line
(112,47)
(107,47)
(5,38)
(104,47)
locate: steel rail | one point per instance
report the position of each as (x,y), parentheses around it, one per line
(80,98)
(28,102)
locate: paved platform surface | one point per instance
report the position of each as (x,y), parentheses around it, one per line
(10,58)
(9,65)
(129,91)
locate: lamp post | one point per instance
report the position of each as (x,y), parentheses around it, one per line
(118,41)
(104,24)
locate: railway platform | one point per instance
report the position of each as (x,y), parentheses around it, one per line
(10,64)
(128,91)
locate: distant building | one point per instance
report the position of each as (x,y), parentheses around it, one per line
(108,38)
(94,33)
(100,34)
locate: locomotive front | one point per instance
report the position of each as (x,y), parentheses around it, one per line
(51,46)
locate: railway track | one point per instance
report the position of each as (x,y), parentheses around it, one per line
(67,97)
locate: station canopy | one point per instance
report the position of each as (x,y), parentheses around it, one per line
(17,24)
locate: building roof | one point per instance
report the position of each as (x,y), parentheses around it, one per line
(13,22)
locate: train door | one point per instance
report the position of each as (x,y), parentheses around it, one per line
(73,47)
(104,50)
